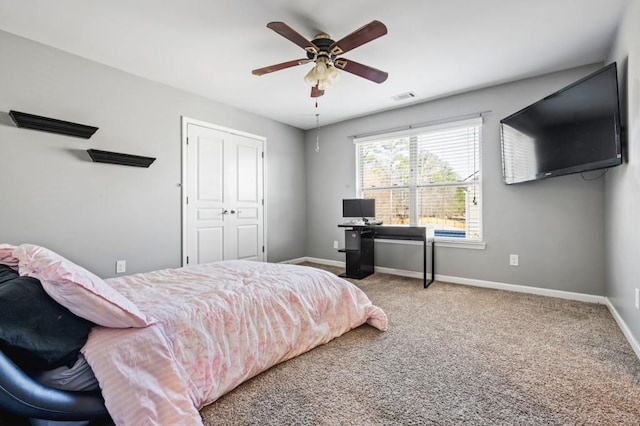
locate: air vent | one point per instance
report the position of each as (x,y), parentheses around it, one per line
(403,96)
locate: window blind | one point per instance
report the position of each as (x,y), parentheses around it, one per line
(426,176)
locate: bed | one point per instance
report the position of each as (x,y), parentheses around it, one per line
(179,339)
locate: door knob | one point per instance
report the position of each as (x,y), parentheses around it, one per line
(225,211)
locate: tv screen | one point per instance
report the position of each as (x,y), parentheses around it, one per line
(573,130)
(359,207)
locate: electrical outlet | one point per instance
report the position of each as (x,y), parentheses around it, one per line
(637,298)
(335,244)
(121,266)
(513,259)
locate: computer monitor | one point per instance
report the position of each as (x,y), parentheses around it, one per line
(359,207)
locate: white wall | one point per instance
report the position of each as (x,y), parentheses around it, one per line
(94,214)
(556,226)
(622,236)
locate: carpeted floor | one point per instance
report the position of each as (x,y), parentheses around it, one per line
(452,355)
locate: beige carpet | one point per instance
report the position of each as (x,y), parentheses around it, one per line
(453,355)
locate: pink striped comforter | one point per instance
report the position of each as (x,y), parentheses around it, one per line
(219,325)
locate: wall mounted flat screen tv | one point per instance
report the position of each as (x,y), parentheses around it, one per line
(573,130)
(359,207)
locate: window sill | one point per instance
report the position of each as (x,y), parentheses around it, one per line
(452,243)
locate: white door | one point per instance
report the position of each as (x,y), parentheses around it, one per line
(223,190)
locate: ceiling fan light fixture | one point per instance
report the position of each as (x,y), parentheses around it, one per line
(323,74)
(311,78)
(333,75)
(323,84)
(321,66)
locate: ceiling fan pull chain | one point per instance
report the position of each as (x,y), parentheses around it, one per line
(317,130)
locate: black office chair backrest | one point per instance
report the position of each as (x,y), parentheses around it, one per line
(23,396)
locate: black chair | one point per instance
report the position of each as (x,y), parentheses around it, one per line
(23,396)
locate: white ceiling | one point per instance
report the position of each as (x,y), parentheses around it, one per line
(433,48)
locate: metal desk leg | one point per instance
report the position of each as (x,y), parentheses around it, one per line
(424,263)
(433,263)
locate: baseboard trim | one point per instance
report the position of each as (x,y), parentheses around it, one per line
(468,281)
(580,297)
(624,328)
(327,262)
(295,261)
(339,264)
(401,272)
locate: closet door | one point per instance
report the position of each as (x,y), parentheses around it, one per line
(224,196)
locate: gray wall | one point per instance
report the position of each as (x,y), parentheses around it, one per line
(556,226)
(95,214)
(622,236)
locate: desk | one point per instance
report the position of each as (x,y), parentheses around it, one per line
(359,247)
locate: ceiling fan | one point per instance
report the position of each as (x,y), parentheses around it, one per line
(325,53)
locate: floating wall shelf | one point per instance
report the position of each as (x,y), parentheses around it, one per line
(36,122)
(117,158)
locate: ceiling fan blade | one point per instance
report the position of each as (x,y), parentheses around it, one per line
(290,34)
(371,31)
(361,70)
(278,67)
(316,93)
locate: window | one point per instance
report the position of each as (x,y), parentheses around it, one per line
(425,176)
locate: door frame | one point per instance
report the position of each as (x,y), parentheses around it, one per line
(185,121)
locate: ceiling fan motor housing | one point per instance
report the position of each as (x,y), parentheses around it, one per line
(323,42)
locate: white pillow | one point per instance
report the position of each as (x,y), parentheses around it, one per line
(77,289)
